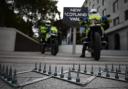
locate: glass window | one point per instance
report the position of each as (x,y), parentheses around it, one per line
(93,6)
(126,15)
(98,1)
(125,1)
(103,2)
(116,21)
(98,8)
(115,6)
(104,12)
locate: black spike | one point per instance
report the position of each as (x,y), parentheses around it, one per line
(69,75)
(85,69)
(35,66)
(126,73)
(73,67)
(55,73)
(44,70)
(39,68)
(0,69)
(112,70)
(6,72)
(106,68)
(116,74)
(49,72)
(119,69)
(10,74)
(79,67)
(62,75)
(107,73)
(99,73)
(14,78)
(92,70)
(77,77)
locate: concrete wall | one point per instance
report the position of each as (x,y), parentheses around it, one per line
(7,39)
(14,40)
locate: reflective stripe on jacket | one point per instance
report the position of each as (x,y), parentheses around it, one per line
(54,29)
(43,29)
(95,16)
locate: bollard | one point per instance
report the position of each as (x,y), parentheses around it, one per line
(73,67)
(55,73)
(10,74)
(85,69)
(14,78)
(39,67)
(99,73)
(44,70)
(62,75)
(49,72)
(77,77)
(69,75)
(116,74)
(92,70)
(112,70)
(35,66)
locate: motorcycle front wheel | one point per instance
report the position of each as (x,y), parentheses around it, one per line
(54,49)
(97,46)
(42,48)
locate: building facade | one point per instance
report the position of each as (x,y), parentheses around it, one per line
(118,10)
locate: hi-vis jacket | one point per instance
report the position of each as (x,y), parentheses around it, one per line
(44,29)
(95,16)
(54,29)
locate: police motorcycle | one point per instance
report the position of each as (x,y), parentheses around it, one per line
(49,42)
(94,43)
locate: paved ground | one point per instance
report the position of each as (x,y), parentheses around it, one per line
(23,61)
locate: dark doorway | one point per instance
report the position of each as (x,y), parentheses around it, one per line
(117,41)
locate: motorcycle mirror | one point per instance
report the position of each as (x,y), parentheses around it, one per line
(108,15)
(81,18)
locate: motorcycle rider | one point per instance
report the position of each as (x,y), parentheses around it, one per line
(46,29)
(42,31)
(93,14)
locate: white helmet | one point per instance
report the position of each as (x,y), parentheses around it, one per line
(93,11)
(48,22)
